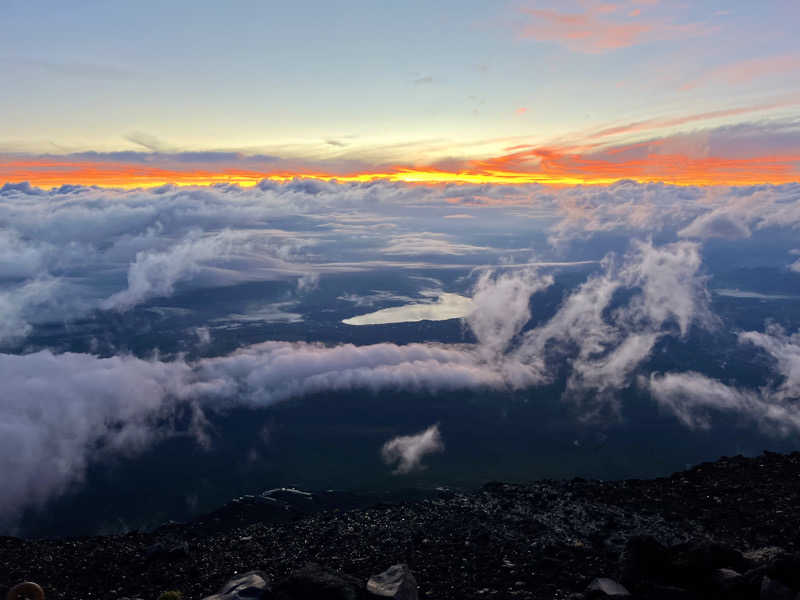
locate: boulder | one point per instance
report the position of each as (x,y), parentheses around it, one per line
(771,589)
(786,569)
(395,582)
(644,558)
(253,585)
(693,563)
(606,588)
(729,584)
(314,582)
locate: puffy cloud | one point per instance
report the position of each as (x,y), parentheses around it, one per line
(670,283)
(691,212)
(785,349)
(18,259)
(605,343)
(203,335)
(625,206)
(612,370)
(407,451)
(216,259)
(19,303)
(693,397)
(720,224)
(59,411)
(156,273)
(274,371)
(502,306)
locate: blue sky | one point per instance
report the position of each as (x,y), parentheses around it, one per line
(254,75)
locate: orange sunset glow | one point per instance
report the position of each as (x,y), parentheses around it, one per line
(550,168)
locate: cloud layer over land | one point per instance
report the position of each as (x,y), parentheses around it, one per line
(74,252)
(75,249)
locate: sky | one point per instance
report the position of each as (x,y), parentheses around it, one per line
(128,94)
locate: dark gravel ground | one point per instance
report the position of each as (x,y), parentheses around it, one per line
(541,540)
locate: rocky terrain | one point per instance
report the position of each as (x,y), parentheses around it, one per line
(726,529)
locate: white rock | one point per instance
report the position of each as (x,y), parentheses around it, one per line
(607,587)
(395,582)
(250,586)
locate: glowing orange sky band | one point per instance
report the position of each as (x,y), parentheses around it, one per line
(560,170)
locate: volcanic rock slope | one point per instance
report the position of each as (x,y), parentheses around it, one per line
(547,539)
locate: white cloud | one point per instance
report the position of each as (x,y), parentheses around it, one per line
(61,411)
(692,397)
(33,298)
(501,306)
(155,273)
(407,451)
(736,293)
(66,252)
(58,411)
(416,244)
(692,212)
(274,371)
(719,224)
(604,343)
(203,335)
(785,349)
(116,248)
(277,312)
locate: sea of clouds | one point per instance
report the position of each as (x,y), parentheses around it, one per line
(72,252)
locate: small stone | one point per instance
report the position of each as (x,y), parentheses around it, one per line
(724,578)
(253,585)
(395,582)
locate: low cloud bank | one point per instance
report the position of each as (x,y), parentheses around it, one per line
(77,406)
(72,250)
(114,249)
(59,411)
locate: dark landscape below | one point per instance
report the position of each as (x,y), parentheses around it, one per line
(726,529)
